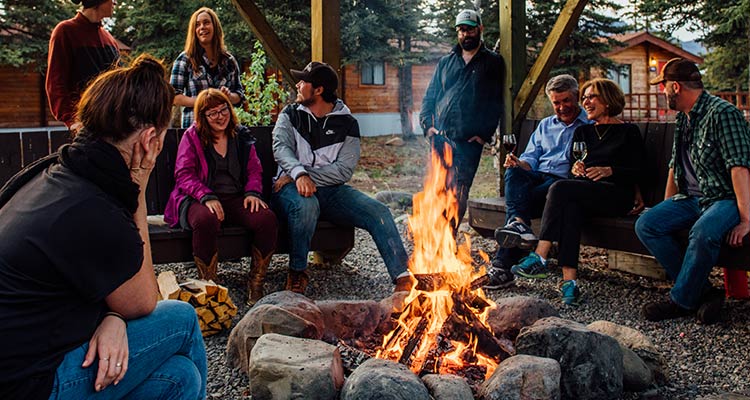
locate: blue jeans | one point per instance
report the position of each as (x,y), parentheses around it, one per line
(690,267)
(525,195)
(341,205)
(167,360)
(466,157)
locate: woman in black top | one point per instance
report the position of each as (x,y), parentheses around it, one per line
(604,183)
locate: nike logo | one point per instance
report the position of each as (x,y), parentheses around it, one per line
(330,132)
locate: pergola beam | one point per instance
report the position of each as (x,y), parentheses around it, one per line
(326,33)
(513,50)
(539,73)
(267,36)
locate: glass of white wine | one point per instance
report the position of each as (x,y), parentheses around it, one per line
(579,151)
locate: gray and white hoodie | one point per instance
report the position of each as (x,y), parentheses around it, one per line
(325,148)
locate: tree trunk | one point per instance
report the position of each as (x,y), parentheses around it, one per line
(405,98)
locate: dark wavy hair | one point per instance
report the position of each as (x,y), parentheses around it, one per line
(124,100)
(206,100)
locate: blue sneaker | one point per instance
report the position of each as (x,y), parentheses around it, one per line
(571,294)
(516,234)
(531,267)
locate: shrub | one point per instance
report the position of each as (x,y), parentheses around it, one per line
(263,94)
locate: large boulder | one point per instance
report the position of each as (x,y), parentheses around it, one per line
(349,319)
(513,313)
(285,367)
(639,343)
(447,387)
(378,379)
(523,377)
(590,362)
(285,313)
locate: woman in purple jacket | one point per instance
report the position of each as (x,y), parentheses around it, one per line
(218,181)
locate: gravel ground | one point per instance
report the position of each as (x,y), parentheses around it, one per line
(703,360)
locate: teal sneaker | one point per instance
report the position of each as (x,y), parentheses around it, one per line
(531,267)
(571,294)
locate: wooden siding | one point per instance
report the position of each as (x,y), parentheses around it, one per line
(383,98)
(24,102)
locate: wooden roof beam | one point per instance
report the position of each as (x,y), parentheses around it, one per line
(267,36)
(539,72)
(326,32)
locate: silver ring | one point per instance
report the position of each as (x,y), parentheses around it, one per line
(105,359)
(118,365)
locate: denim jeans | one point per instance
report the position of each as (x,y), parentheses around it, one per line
(167,360)
(341,205)
(466,157)
(525,194)
(690,267)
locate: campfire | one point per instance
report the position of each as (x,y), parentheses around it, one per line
(442,327)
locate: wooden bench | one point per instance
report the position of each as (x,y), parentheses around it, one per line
(330,242)
(486,214)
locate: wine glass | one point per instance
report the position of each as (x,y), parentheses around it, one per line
(509,142)
(579,151)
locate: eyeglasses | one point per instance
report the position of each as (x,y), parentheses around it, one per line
(589,97)
(215,114)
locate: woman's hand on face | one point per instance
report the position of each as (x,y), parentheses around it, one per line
(579,169)
(144,160)
(215,207)
(110,345)
(254,204)
(597,173)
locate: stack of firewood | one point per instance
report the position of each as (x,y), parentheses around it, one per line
(211,301)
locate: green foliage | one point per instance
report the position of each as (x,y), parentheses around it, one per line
(25,27)
(263,94)
(592,37)
(724,26)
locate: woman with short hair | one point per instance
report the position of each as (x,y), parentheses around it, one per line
(78,296)
(204,63)
(604,183)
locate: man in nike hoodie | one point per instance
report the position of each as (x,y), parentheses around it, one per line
(316,145)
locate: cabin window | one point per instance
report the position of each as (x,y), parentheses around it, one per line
(621,76)
(372,73)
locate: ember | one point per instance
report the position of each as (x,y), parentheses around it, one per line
(442,328)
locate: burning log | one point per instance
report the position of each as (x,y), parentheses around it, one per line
(414,341)
(351,358)
(462,324)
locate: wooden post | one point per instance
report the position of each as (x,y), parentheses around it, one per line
(267,36)
(539,73)
(326,32)
(513,50)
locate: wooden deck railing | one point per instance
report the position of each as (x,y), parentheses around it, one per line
(652,107)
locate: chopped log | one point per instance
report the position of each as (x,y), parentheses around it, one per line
(351,357)
(468,323)
(414,339)
(168,287)
(479,282)
(212,303)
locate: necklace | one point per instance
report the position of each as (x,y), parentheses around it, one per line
(601,135)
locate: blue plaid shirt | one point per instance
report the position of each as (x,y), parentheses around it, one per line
(189,83)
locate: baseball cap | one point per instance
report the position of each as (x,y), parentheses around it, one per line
(319,74)
(678,69)
(468,17)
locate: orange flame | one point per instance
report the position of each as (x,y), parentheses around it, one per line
(436,253)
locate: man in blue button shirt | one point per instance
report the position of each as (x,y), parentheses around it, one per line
(528,177)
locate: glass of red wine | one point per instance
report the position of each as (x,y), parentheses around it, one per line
(509,142)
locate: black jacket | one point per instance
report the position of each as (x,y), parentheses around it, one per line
(465,100)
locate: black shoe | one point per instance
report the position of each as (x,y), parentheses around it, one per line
(516,234)
(661,310)
(499,278)
(709,311)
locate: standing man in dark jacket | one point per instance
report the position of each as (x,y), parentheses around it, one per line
(463,103)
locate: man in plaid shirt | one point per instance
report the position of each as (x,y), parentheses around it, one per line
(708,192)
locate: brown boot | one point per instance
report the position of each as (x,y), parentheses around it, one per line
(257,276)
(296,281)
(210,271)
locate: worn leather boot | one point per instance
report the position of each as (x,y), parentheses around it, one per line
(296,281)
(257,276)
(208,271)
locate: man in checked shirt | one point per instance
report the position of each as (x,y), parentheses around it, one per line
(708,192)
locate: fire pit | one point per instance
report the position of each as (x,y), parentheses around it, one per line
(442,328)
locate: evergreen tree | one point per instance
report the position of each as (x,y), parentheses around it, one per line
(25,28)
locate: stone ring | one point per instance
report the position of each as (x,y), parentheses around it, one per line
(118,365)
(105,359)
